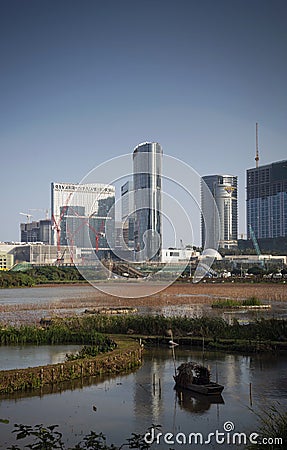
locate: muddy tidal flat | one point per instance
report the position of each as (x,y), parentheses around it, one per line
(29,305)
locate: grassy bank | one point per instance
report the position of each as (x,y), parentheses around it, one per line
(126,356)
(231,303)
(208,327)
(59,332)
(264,334)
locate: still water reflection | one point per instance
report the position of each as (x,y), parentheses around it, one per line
(20,357)
(120,405)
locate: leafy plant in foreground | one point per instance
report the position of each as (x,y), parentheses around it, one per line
(48,438)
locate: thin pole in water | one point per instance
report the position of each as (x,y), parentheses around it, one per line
(250,393)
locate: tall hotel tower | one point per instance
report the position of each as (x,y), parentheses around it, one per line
(147,166)
(224,192)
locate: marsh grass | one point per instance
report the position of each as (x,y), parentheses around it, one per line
(84,330)
(230,303)
(272,425)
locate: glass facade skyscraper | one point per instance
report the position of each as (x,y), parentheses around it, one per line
(147,167)
(267,200)
(224,192)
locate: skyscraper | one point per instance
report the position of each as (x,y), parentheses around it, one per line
(267,200)
(147,166)
(224,193)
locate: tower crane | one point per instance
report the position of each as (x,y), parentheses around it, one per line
(42,209)
(28,216)
(257,150)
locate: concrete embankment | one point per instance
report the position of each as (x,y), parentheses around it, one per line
(127,356)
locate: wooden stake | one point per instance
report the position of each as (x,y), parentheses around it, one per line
(250,393)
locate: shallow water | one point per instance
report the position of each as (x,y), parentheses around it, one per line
(46,300)
(22,356)
(131,403)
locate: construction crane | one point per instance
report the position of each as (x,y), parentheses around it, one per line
(57,228)
(257,150)
(42,209)
(28,216)
(97,233)
(254,241)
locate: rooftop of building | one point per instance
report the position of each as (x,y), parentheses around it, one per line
(275,163)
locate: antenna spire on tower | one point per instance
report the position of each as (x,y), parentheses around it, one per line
(257,151)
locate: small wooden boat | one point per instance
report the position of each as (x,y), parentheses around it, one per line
(195,402)
(196,377)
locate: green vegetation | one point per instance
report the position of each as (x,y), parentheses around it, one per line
(216,331)
(112,358)
(57,333)
(29,276)
(49,438)
(273,425)
(208,327)
(9,279)
(40,275)
(252,301)
(85,330)
(229,303)
(90,351)
(226,303)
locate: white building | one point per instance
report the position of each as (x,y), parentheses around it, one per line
(250,260)
(222,204)
(176,255)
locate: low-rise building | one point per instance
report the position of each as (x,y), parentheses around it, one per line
(6,260)
(255,260)
(176,255)
(39,253)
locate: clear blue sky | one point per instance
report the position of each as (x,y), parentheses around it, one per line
(82,81)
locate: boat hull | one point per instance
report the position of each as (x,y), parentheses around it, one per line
(206,389)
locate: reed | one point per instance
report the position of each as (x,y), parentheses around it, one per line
(84,330)
(273,426)
(252,301)
(230,303)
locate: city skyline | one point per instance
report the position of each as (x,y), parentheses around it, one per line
(81,84)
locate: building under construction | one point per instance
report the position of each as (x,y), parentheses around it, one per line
(36,231)
(83,216)
(267,200)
